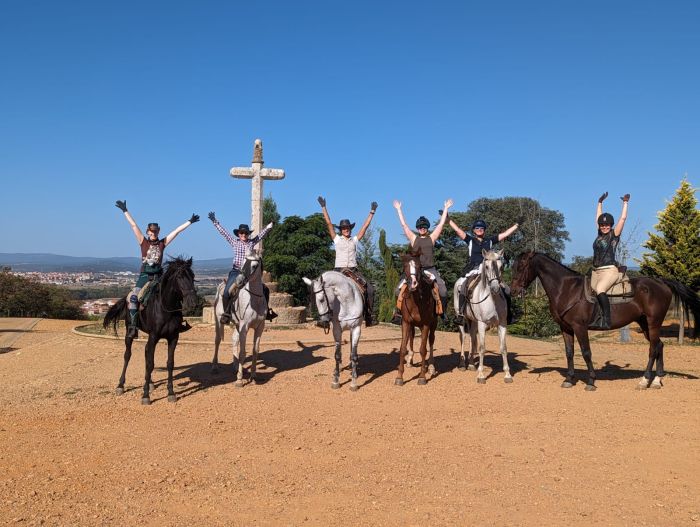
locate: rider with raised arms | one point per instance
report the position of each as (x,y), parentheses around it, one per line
(605,272)
(425,241)
(346,251)
(152,249)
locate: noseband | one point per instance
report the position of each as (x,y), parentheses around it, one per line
(325,295)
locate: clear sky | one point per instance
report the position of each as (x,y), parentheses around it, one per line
(154,102)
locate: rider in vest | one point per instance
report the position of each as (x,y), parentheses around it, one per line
(605,272)
(152,249)
(476,242)
(242,246)
(425,241)
(346,251)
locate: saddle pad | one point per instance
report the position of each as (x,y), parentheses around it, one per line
(620,292)
(145,292)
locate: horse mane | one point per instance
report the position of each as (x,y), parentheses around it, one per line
(175,266)
(554,261)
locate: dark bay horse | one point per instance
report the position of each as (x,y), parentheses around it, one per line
(567,303)
(417,310)
(161,318)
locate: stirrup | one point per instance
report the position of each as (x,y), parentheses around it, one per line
(225,318)
(396,318)
(271,315)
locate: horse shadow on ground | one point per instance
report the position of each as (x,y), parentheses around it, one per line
(493,361)
(610,372)
(192,378)
(7,350)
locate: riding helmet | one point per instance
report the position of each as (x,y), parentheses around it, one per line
(479,223)
(422,222)
(606,219)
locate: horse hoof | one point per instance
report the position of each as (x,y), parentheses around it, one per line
(172,398)
(354,387)
(656,385)
(471,367)
(119,390)
(398,382)
(591,387)
(422,382)
(480,380)
(146,401)
(567,384)
(508,380)
(238,384)
(642,386)
(335,385)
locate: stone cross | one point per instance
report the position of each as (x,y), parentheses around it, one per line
(258,174)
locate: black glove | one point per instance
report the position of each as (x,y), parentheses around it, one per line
(602,197)
(322,201)
(625,198)
(194,218)
(121,205)
(212,217)
(373,206)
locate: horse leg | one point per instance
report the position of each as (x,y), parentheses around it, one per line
(424,332)
(405,333)
(127,357)
(656,383)
(337,337)
(504,353)
(584,343)
(218,337)
(462,356)
(481,378)
(172,343)
(354,340)
(257,333)
(410,350)
(241,356)
(471,366)
(570,378)
(149,352)
(431,360)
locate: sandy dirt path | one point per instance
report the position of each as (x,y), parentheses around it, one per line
(291,451)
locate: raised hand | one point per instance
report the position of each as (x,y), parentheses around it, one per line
(602,197)
(373,206)
(397,204)
(194,218)
(269,225)
(625,198)
(212,217)
(121,205)
(322,201)
(448,203)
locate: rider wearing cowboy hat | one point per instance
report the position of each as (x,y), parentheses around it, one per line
(242,246)
(476,243)
(605,272)
(346,251)
(425,241)
(152,249)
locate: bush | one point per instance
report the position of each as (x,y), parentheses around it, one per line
(534,320)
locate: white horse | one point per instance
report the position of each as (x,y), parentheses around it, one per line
(486,308)
(249,311)
(339,300)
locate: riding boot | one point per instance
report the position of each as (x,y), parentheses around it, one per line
(369,305)
(226,315)
(132,331)
(460,309)
(443,303)
(396,317)
(604,303)
(510,318)
(271,315)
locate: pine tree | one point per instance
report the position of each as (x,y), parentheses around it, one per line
(675,251)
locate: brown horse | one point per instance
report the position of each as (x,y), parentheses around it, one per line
(568,305)
(417,310)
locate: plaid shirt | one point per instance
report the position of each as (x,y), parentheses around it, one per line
(241,249)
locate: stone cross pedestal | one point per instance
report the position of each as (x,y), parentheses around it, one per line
(258,174)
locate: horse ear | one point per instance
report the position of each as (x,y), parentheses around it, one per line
(306,281)
(189,262)
(484,252)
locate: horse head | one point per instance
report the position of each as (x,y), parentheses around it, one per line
(523,273)
(323,304)
(179,273)
(412,268)
(251,266)
(492,269)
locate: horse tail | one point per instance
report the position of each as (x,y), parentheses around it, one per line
(115,313)
(688,299)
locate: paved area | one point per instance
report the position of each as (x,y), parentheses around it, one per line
(13,328)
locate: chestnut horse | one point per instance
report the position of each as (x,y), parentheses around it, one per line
(417,310)
(568,305)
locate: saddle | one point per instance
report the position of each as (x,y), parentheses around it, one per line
(428,279)
(469,285)
(359,281)
(146,291)
(620,292)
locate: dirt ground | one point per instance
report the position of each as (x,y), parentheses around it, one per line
(291,451)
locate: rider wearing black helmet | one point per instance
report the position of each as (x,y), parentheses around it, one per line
(605,271)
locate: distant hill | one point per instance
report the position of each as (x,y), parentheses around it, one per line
(47,263)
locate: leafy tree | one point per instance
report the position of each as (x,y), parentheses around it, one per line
(535,319)
(295,248)
(675,251)
(368,264)
(582,264)
(387,287)
(270,213)
(23,297)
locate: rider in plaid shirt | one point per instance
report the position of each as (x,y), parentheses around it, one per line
(242,247)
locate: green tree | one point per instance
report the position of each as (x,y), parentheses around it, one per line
(23,297)
(368,264)
(387,287)
(675,251)
(582,264)
(270,213)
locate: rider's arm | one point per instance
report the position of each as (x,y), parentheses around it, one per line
(329,223)
(599,207)
(170,237)
(255,239)
(408,232)
(438,229)
(134,227)
(460,232)
(227,235)
(623,216)
(365,225)
(502,236)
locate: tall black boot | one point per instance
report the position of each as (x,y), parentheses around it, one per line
(509,305)
(460,309)
(271,315)
(226,315)
(604,303)
(133,332)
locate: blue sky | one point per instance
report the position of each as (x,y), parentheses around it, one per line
(154,102)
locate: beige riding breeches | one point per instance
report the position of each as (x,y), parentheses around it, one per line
(603,278)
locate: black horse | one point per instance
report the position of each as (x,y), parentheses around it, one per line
(567,303)
(161,318)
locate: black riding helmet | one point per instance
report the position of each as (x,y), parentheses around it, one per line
(422,222)
(606,219)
